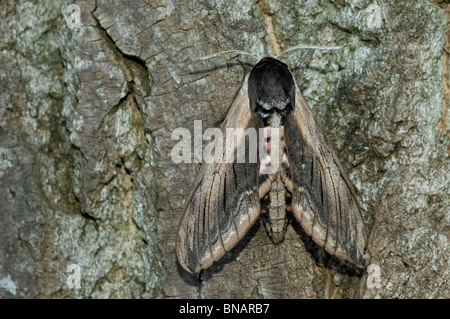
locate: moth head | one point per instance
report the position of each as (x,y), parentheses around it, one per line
(271,88)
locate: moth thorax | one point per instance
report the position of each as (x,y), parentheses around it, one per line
(275,120)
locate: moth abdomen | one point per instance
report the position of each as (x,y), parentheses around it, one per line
(274,210)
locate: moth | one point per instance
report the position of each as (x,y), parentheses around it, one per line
(226,199)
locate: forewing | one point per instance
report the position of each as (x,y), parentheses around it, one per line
(223,203)
(323,200)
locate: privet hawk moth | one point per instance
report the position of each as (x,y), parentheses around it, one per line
(227,198)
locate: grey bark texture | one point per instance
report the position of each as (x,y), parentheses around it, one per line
(86,115)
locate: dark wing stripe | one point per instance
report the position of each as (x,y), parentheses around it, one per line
(321,188)
(250,180)
(215,224)
(325,204)
(196,237)
(322,204)
(208,217)
(235,215)
(223,211)
(246,192)
(354,237)
(339,210)
(317,214)
(206,208)
(235,178)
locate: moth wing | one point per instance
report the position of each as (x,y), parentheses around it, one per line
(224,202)
(323,200)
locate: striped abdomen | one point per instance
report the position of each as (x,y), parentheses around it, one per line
(275,199)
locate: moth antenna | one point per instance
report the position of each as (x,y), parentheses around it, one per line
(215,55)
(298,47)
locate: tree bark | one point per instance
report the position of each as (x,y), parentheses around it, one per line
(87,112)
